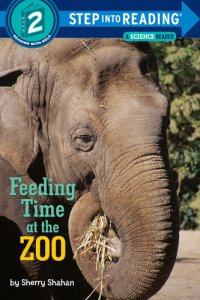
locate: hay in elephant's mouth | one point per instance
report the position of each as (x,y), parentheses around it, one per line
(97,239)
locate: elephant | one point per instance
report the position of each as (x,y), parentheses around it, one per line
(91,112)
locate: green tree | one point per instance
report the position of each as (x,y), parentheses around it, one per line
(179,70)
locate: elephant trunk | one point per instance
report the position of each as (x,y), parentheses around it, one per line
(142,206)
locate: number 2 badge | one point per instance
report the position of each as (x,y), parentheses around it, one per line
(32,23)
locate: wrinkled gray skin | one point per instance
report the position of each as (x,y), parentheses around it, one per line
(91,112)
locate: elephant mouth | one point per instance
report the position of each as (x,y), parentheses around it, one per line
(101,239)
(100,236)
(97,240)
(114,244)
(140,238)
(109,235)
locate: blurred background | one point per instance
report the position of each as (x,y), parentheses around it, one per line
(179,70)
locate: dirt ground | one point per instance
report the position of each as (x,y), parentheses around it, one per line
(184,281)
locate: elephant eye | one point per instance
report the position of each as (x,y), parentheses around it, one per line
(83,139)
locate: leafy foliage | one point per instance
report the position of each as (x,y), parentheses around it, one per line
(179,70)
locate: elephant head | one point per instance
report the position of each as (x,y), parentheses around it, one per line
(100,121)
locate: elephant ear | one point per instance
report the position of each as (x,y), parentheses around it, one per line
(20,144)
(16,141)
(24,100)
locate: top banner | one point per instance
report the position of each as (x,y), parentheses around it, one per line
(33,23)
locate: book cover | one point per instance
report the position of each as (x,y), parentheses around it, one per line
(99,150)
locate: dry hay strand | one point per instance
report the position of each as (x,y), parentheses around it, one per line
(97,239)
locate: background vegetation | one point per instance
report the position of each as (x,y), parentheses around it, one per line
(179,70)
